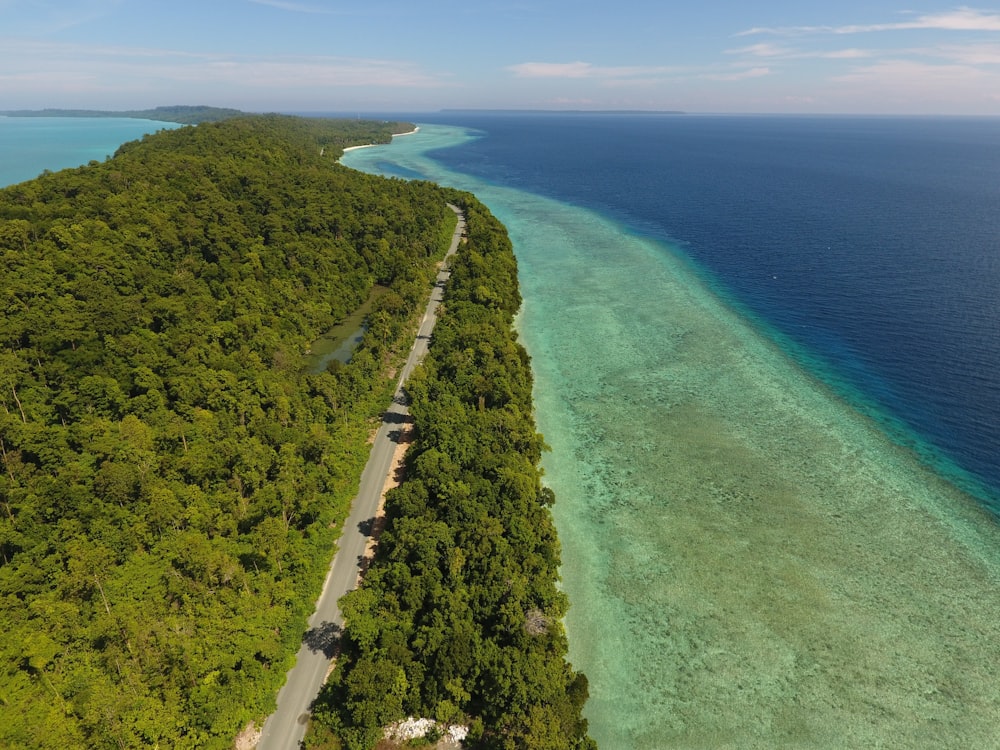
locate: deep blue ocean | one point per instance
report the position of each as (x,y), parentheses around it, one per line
(869,248)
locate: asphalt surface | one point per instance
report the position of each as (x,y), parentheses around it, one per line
(286,727)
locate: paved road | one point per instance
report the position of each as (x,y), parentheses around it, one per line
(286,727)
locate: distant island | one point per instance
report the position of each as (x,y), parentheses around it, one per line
(183,114)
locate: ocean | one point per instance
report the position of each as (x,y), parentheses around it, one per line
(30,145)
(766,362)
(868,248)
(766,355)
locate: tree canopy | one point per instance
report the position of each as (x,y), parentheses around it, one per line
(172,477)
(459,617)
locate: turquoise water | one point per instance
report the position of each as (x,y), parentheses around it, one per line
(865,246)
(751,563)
(30,144)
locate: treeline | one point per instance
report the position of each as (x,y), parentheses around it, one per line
(171,477)
(459,617)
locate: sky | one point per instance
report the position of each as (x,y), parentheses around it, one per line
(367,56)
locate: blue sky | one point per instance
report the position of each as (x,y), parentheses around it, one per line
(391,55)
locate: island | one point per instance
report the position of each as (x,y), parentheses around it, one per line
(180,113)
(175,478)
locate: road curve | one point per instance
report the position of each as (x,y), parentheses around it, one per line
(286,727)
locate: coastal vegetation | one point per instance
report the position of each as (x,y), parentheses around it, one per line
(459,617)
(172,478)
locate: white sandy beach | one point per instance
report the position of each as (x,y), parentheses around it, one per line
(394,135)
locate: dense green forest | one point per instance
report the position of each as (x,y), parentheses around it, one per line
(459,617)
(172,478)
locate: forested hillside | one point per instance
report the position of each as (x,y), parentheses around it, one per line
(171,477)
(459,617)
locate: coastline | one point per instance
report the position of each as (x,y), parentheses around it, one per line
(501,596)
(371,145)
(800,572)
(797,578)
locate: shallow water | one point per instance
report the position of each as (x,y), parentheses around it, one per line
(866,247)
(340,341)
(750,562)
(30,144)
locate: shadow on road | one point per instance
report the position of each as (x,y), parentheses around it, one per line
(405,421)
(394,417)
(325,637)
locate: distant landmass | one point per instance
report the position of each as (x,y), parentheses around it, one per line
(571,111)
(184,114)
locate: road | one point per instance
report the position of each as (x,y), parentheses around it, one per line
(286,727)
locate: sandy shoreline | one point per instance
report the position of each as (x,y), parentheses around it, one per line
(394,135)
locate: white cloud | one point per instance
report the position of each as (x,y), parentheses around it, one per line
(971,54)
(552,70)
(909,72)
(911,87)
(763,49)
(315,72)
(739,75)
(293,7)
(787,53)
(960,19)
(585,70)
(34,67)
(845,54)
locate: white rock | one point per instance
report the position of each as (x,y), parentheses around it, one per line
(411,728)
